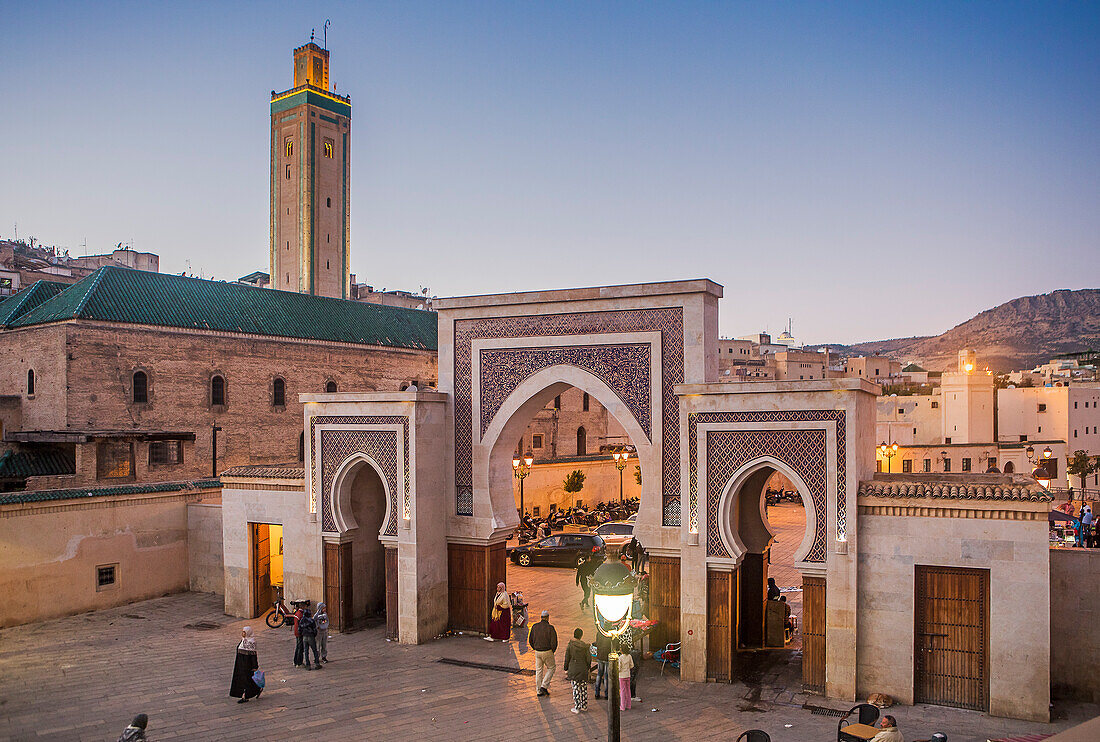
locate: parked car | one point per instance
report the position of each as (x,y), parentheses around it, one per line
(616,534)
(559,550)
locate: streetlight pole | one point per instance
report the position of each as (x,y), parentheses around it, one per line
(612,600)
(521,468)
(620,464)
(888,453)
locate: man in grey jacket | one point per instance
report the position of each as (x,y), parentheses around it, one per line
(544,640)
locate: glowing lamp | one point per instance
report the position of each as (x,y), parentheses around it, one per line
(515,462)
(1041,476)
(1047,453)
(528,459)
(613,597)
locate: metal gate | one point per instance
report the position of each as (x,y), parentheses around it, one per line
(951,665)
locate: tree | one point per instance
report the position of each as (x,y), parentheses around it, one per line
(574,482)
(638,475)
(1081,465)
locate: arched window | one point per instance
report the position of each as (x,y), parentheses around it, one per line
(302,446)
(141,387)
(330,387)
(582,442)
(217,390)
(585,403)
(557,402)
(30,382)
(278,392)
(1010,468)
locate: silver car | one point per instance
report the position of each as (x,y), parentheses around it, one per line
(615,534)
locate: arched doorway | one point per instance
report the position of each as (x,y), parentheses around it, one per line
(360,572)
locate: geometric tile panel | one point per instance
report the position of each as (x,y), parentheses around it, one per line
(802,450)
(837,416)
(625,368)
(669,322)
(380,445)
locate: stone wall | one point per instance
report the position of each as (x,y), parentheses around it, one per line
(1075,624)
(50,552)
(41,350)
(206,573)
(543,485)
(1014,552)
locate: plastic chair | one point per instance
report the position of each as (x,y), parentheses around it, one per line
(866,714)
(670,655)
(754,735)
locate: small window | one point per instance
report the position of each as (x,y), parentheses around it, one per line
(330,387)
(580,503)
(947,441)
(535,511)
(1010,468)
(927,465)
(906,466)
(165,453)
(1042,407)
(992,461)
(582,442)
(278,392)
(1023,439)
(584,403)
(217,390)
(935,404)
(328,148)
(557,402)
(302,446)
(947,465)
(288,172)
(114,460)
(966,464)
(106,576)
(30,382)
(536,440)
(328,202)
(141,387)
(289,147)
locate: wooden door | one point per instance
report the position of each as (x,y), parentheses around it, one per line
(391,594)
(721,625)
(951,656)
(813,634)
(262,598)
(466,577)
(337,569)
(664,601)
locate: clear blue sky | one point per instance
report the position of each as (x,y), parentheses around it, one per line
(870,169)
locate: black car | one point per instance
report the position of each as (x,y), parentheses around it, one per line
(559,550)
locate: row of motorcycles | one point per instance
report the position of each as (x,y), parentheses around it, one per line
(532,529)
(774,497)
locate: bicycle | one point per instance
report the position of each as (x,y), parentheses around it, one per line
(280,614)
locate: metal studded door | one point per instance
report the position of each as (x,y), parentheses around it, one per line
(951,658)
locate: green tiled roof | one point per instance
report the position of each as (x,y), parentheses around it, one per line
(23,464)
(17,305)
(115,294)
(17,498)
(911,368)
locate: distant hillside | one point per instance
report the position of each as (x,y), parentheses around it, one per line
(1015,335)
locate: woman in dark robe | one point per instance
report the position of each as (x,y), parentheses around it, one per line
(243,687)
(500,625)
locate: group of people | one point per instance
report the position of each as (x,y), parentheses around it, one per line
(1085,524)
(543,640)
(310,635)
(778,622)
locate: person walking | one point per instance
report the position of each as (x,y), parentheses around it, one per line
(321,619)
(298,648)
(543,639)
(584,571)
(500,624)
(243,686)
(626,664)
(603,648)
(307,627)
(136,730)
(578,664)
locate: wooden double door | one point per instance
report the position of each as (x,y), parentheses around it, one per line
(340,588)
(951,653)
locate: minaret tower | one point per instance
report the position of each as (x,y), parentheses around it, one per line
(310,175)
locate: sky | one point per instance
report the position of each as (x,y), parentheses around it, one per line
(869,170)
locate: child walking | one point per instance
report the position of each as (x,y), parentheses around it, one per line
(321,619)
(626,662)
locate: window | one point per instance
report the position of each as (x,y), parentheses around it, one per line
(1010,468)
(114,460)
(536,440)
(278,392)
(1042,407)
(557,402)
(947,465)
(328,148)
(30,382)
(330,387)
(947,441)
(288,172)
(217,390)
(302,446)
(141,387)
(906,466)
(992,462)
(966,464)
(289,146)
(165,453)
(535,511)
(1023,439)
(927,465)
(584,403)
(582,442)
(106,576)
(935,404)
(1040,429)
(328,202)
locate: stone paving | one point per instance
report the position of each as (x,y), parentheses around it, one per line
(84,677)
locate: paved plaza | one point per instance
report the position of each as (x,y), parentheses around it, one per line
(84,677)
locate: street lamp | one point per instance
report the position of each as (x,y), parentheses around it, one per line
(521,468)
(888,452)
(612,600)
(620,464)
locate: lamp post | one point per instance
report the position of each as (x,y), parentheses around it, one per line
(1042,476)
(612,600)
(620,464)
(888,452)
(521,468)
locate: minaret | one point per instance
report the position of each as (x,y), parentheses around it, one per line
(310,175)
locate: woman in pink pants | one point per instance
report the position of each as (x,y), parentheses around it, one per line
(626,662)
